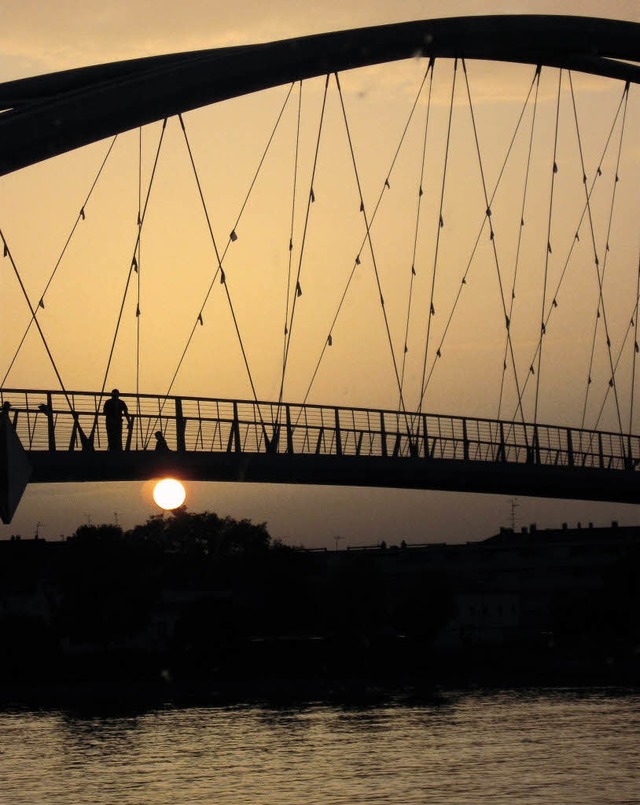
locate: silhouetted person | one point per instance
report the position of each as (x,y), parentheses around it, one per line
(86,442)
(161,442)
(4,412)
(114,410)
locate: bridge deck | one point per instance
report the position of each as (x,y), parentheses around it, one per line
(240,440)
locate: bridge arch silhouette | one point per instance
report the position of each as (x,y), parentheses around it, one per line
(253,440)
(55,113)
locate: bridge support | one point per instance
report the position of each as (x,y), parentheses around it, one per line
(15,469)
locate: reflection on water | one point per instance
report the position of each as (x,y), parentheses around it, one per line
(524,747)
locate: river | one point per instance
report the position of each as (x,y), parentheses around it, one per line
(526,747)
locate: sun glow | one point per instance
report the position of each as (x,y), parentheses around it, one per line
(169,493)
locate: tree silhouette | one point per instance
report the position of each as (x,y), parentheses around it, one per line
(204,534)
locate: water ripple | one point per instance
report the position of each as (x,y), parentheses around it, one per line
(528,747)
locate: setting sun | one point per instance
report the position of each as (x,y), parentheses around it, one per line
(169,493)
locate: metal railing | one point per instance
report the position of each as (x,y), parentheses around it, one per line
(49,421)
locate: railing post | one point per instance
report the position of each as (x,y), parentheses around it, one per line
(600,451)
(127,446)
(289,430)
(502,451)
(533,452)
(569,447)
(383,435)
(338,434)
(414,437)
(181,424)
(74,432)
(465,440)
(235,428)
(425,436)
(50,427)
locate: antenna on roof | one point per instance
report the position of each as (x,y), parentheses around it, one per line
(514,506)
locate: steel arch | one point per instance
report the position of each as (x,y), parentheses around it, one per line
(48,115)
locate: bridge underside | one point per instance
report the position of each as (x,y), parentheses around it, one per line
(576,483)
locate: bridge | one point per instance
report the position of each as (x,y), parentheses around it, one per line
(245,440)
(62,432)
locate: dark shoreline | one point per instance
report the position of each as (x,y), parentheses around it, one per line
(130,695)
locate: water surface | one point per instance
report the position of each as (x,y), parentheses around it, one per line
(550,746)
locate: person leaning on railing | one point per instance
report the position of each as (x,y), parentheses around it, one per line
(161,442)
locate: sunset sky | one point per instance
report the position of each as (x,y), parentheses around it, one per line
(39,205)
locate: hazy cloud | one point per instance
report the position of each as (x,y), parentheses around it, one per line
(37,37)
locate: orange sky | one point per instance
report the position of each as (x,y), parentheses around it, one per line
(38,206)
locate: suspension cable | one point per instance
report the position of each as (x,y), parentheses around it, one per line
(547,256)
(636,349)
(310,200)
(536,80)
(634,316)
(633,324)
(133,267)
(597,318)
(432,310)
(469,264)
(7,253)
(370,242)
(492,238)
(601,273)
(554,298)
(600,277)
(386,185)
(139,275)
(80,217)
(418,211)
(232,237)
(292,226)
(223,279)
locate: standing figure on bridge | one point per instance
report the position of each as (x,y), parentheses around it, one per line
(4,411)
(114,410)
